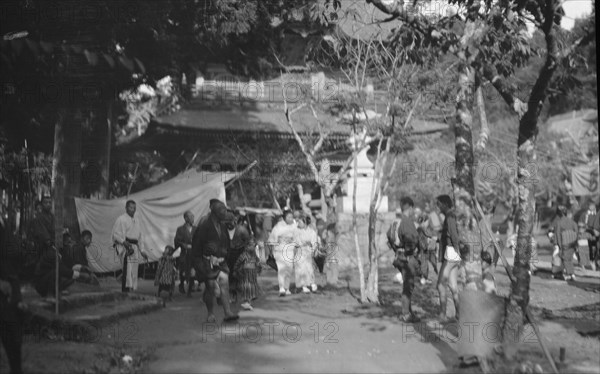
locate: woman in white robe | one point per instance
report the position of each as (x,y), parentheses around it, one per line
(282,242)
(306,241)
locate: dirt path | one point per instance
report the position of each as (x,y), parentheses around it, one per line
(300,333)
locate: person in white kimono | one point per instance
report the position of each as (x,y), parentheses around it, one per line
(127,239)
(306,241)
(281,241)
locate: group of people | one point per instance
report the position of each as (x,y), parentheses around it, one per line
(43,252)
(294,244)
(221,252)
(208,253)
(462,244)
(574,241)
(450,233)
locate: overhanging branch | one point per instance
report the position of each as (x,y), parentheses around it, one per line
(322,134)
(504,89)
(309,158)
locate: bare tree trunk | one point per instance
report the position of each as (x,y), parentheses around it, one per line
(361,270)
(372,288)
(304,207)
(243,192)
(380,179)
(324,173)
(275,202)
(372,291)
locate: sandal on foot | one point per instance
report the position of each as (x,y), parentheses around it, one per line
(211,319)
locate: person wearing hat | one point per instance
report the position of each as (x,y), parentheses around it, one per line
(210,246)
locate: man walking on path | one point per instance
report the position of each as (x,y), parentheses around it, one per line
(127,239)
(183,240)
(210,245)
(450,258)
(406,254)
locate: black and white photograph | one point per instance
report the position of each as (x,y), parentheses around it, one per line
(299,186)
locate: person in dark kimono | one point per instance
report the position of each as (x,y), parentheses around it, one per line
(407,253)
(239,239)
(566,235)
(183,240)
(45,274)
(247,268)
(42,228)
(210,245)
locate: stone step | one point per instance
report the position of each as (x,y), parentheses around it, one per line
(82,315)
(76,301)
(111,310)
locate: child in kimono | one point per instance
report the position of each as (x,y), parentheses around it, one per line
(247,268)
(166,272)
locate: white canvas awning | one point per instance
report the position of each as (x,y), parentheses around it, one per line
(160,211)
